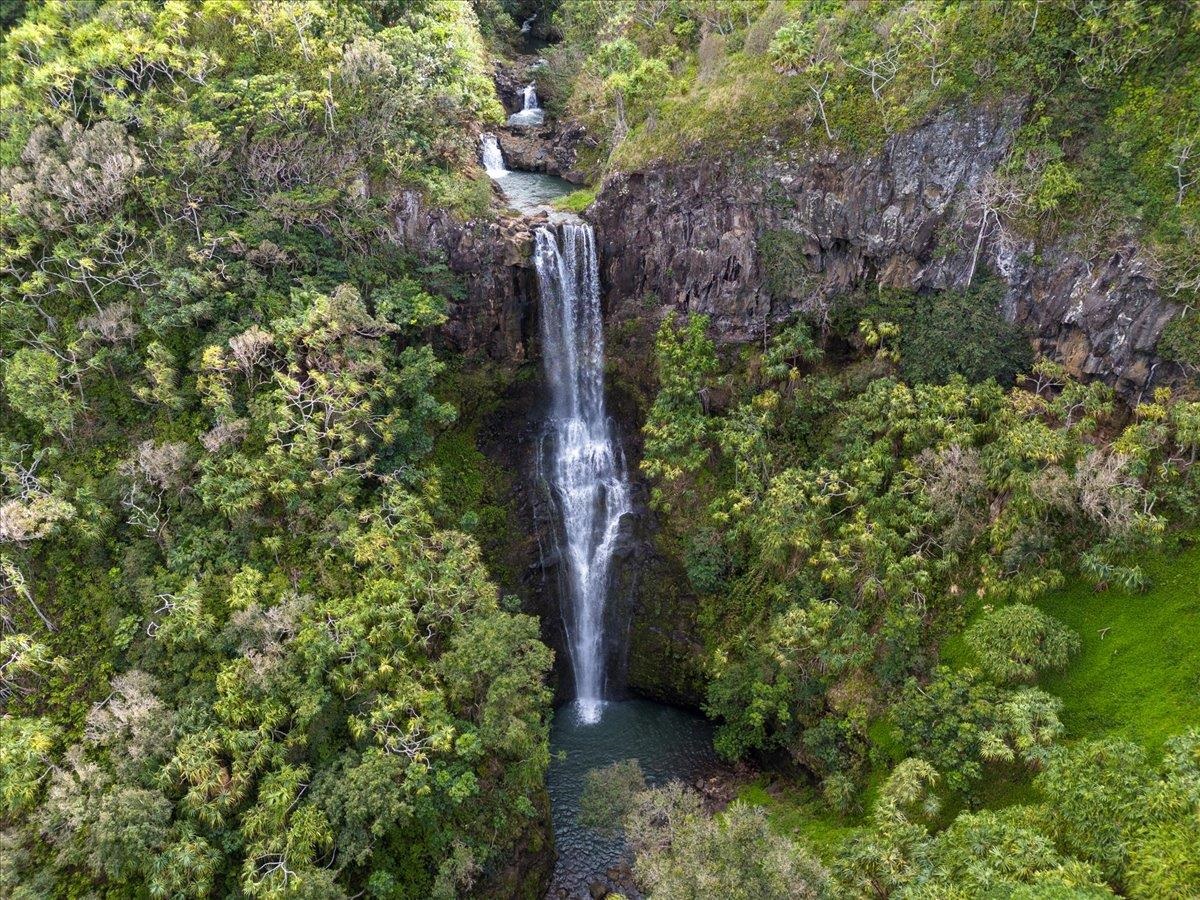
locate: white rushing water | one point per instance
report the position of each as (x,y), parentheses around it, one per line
(493,159)
(532,113)
(584,466)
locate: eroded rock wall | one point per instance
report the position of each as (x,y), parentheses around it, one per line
(496,316)
(691,235)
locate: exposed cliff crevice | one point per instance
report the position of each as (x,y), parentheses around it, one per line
(495,315)
(691,235)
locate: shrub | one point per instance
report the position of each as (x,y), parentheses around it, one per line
(959,722)
(1016,642)
(1180,341)
(684,854)
(706,561)
(608,794)
(947,333)
(784,265)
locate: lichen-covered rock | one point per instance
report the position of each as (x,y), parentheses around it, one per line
(496,315)
(692,234)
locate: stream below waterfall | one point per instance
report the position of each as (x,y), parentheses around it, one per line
(583,467)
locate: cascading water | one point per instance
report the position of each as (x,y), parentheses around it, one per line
(581,463)
(531,112)
(493,159)
(584,467)
(529,192)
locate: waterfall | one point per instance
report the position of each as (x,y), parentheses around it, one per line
(584,466)
(528,24)
(531,113)
(493,159)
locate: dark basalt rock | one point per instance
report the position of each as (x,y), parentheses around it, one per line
(1099,318)
(690,234)
(552,148)
(496,316)
(510,84)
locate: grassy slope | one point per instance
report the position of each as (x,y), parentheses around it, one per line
(797,811)
(1139,680)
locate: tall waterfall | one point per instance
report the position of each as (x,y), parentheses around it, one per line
(493,159)
(584,466)
(531,100)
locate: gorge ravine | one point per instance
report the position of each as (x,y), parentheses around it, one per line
(579,462)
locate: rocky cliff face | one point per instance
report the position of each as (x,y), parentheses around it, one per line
(496,315)
(692,235)
(1100,318)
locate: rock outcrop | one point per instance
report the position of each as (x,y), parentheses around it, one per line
(692,235)
(553,148)
(510,82)
(1099,318)
(495,316)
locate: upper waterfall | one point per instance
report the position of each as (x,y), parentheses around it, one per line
(493,159)
(531,113)
(582,463)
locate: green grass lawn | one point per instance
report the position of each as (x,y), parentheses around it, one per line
(1138,674)
(796,811)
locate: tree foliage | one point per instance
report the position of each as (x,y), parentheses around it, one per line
(682,853)
(240,651)
(1014,643)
